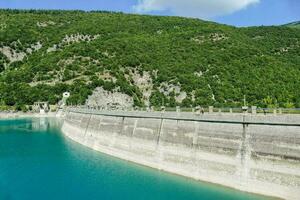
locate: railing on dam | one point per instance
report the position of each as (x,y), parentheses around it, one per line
(209,109)
(226,118)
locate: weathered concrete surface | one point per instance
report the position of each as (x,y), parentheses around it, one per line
(262,159)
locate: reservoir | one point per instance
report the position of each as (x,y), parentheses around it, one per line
(38,162)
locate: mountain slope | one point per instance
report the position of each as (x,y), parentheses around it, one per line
(153,60)
(293,24)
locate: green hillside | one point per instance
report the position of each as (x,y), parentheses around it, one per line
(293,24)
(181,61)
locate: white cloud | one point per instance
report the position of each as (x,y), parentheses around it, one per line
(193,8)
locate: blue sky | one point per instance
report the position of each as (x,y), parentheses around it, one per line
(233,12)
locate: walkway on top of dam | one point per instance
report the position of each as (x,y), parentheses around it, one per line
(225,118)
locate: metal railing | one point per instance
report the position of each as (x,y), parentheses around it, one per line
(192,117)
(211,109)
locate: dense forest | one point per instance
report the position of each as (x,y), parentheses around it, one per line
(186,62)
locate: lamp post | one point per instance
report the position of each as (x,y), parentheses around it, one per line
(245,107)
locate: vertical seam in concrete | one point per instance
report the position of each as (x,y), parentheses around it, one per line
(122,125)
(195,138)
(67,115)
(159,132)
(99,126)
(115,131)
(87,126)
(134,127)
(132,133)
(194,150)
(244,151)
(81,118)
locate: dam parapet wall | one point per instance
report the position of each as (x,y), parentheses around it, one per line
(253,153)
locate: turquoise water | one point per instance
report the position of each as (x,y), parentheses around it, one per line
(38,163)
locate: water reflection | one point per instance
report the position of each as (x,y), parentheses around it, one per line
(40,124)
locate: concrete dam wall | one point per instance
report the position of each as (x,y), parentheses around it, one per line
(254,153)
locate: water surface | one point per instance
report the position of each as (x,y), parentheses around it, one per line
(37,162)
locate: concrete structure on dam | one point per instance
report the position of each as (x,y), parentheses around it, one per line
(253,153)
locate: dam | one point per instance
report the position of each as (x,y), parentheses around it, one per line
(253,153)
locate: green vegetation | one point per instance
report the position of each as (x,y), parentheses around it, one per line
(293,24)
(214,64)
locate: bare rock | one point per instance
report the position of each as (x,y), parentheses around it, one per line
(109,99)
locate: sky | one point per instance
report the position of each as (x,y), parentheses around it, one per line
(232,12)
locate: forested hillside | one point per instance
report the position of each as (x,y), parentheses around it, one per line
(155,60)
(294,24)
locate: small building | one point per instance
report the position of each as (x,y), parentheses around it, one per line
(41,107)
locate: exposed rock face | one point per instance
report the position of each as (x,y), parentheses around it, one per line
(144,82)
(11,54)
(217,37)
(213,37)
(34,47)
(71,39)
(112,100)
(213,97)
(107,76)
(286,49)
(75,38)
(45,24)
(37,46)
(180,97)
(199,39)
(51,49)
(167,89)
(198,74)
